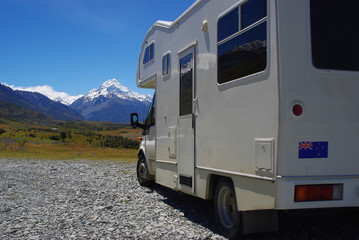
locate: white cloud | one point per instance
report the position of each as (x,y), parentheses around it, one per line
(49,92)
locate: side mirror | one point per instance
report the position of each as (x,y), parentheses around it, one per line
(134,120)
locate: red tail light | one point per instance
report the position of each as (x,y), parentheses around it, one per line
(323,192)
(297,109)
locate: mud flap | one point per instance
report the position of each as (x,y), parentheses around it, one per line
(259,221)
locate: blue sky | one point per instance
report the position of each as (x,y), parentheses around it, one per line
(76,45)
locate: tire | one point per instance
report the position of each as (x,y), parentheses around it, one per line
(143,176)
(225,208)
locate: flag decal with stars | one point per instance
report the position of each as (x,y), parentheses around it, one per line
(313,150)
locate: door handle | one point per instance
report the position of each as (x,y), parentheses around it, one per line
(195,107)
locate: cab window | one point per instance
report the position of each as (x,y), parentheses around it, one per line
(151,117)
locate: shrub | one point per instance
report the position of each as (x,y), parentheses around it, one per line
(63,136)
(55,138)
(119,141)
(21,143)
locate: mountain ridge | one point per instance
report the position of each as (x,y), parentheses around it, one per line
(111,102)
(112,86)
(49,92)
(36,102)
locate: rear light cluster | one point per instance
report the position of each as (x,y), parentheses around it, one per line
(321,192)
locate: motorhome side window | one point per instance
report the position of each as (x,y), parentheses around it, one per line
(242,41)
(165,64)
(149,53)
(186,79)
(335,39)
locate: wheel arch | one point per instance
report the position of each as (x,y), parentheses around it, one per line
(213,180)
(141,152)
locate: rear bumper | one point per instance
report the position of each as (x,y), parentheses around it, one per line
(285,188)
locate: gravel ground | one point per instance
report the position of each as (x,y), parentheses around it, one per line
(102,200)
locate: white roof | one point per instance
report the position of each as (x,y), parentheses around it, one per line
(168,24)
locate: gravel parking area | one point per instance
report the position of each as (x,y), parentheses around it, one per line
(102,200)
(91,200)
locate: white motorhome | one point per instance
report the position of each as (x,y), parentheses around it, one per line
(256,107)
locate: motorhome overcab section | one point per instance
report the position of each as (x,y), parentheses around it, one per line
(255,108)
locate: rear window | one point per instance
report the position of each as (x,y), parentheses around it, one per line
(335,34)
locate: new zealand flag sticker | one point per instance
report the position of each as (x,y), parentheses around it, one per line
(313,150)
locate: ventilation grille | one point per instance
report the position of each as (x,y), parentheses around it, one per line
(186,180)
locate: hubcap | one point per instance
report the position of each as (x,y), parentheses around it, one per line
(142,171)
(227,207)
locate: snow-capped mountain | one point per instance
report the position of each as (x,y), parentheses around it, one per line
(49,92)
(111,102)
(114,87)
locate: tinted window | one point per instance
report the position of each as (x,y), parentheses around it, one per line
(146,58)
(148,54)
(335,34)
(186,75)
(252,11)
(165,64)
(228,25)
(151,51)
(243,55)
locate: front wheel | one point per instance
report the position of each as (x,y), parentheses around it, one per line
(143,176)
(225,208)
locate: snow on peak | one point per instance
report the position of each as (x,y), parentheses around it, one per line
(49,92)
(114,87)
(108,88)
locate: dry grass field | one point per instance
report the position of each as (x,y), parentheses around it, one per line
(69,140)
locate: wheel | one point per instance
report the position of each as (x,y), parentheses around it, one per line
(225,208)
(143,176)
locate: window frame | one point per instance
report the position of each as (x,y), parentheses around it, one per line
(241,31)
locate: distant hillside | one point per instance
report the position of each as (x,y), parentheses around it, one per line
(20,114)
(51,108)
(35,102)
(10,96)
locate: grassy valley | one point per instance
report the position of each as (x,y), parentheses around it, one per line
(68,140)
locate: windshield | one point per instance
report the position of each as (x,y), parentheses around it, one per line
(335,34)
(151,112)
